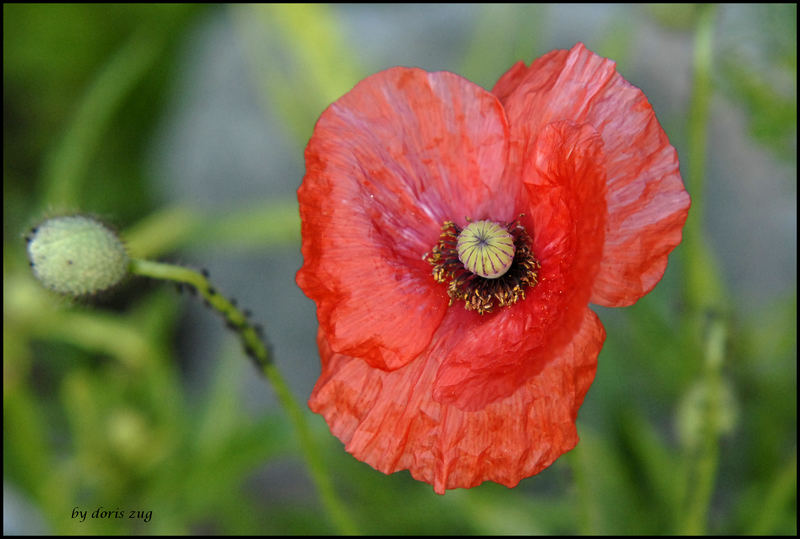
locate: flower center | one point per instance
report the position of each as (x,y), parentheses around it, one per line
(487,264)
(486,248)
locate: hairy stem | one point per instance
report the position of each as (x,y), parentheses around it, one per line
(257,348)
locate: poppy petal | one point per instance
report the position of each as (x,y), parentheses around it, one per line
(389,419)
(646,199)
(386,165)
(565,180)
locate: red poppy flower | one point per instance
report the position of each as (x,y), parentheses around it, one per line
(452,241)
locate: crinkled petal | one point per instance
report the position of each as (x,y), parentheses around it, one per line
(386,165)
(487,357)
(390,420)
(646,199)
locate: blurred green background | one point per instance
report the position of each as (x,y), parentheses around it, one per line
(184,127)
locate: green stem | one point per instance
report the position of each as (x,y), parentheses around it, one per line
(704,291)
(265,224)
(66,165)
(256,347)
(703,286)
(703,457)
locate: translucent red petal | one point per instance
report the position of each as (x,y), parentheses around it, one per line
(484,358)
(647,202)
(386,165)
(390,420)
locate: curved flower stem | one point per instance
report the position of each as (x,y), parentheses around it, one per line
(254,345)
(257,349)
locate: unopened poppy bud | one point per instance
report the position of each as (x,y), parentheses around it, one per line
(77,255)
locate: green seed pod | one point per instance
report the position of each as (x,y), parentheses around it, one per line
(77,255)
(486,249)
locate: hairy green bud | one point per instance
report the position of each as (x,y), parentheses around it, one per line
(77,255)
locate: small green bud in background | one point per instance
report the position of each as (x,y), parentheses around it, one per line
(77,255)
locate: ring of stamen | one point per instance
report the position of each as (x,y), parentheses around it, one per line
(480,293)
